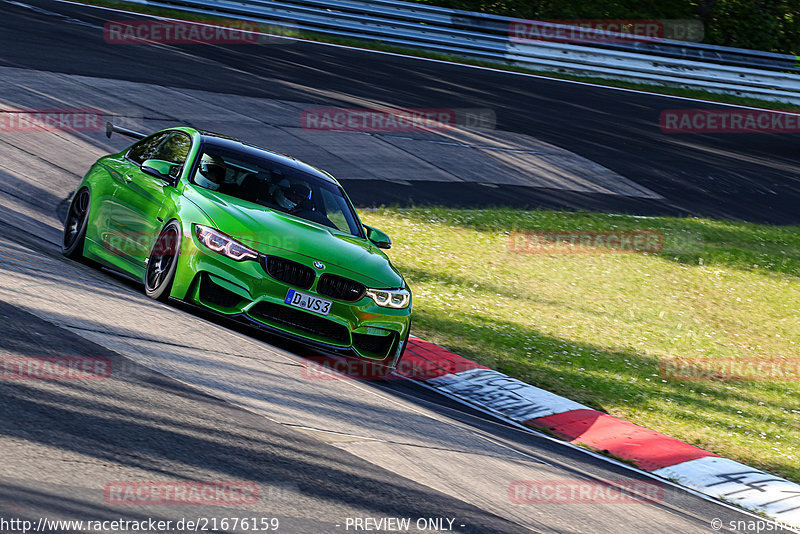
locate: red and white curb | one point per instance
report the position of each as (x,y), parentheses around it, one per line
(648,450)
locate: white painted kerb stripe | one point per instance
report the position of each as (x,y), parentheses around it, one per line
(737,483)
(500,393)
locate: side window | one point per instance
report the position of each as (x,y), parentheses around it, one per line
(174,149)
(144,149)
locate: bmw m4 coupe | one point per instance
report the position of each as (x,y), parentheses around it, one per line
(244,232)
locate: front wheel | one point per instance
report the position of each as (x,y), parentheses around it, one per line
(163,262)
(75,225)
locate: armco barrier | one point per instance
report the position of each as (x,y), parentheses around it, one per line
(742,72)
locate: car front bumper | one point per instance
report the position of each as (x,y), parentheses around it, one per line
(245,292)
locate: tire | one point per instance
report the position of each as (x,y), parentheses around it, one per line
(75,225)
(163,262)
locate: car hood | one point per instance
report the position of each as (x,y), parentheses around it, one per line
(273,232)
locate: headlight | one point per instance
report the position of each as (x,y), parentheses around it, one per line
(390,298)
(223,244)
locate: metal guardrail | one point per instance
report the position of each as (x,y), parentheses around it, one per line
(496,24)
(488,37)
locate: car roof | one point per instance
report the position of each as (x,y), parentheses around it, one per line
(231,143)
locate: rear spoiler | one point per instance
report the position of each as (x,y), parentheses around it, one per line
(110,128)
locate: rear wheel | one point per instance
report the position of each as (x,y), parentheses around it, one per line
(75,225)
(163,262)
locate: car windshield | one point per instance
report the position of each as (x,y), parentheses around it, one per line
(253,176)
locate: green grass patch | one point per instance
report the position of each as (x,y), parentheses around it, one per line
(418,52)
(596,327)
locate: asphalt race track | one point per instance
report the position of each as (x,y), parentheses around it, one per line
(752,177)
(190,399)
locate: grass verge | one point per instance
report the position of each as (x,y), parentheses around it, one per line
(597,327)
(417,52)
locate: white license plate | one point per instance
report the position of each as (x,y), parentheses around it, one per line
(308,302)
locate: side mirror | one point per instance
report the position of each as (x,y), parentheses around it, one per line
(158,168)
(380,239)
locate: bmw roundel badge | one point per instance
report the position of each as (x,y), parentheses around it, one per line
(319,265)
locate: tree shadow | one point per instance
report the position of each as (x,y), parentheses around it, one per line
(154,428)
(689,241)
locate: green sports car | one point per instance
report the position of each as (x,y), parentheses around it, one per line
(245,232)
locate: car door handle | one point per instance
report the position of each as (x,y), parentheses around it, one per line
(128,178)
